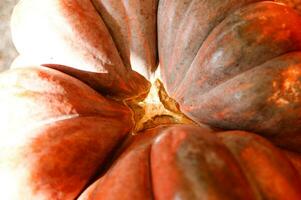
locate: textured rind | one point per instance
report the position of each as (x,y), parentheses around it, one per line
(189,162)
(56,133)
(182,28)
(133,27)
(132,167)
(244,75)
(266,167)
(71,33)
(265,100)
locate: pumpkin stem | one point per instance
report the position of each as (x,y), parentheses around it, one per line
(156,109)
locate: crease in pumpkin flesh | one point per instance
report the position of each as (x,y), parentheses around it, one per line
(157,108)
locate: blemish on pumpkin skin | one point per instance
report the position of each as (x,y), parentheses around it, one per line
(288,90)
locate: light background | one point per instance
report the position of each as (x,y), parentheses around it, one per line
(7,51)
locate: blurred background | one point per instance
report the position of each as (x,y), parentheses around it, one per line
(7,50)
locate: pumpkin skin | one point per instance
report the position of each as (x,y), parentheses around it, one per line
(133,28)
(251,55)
(188,162)
(60,135)
(75,37)
(180,45)
(230,64)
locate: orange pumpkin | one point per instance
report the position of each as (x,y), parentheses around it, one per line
(80,119)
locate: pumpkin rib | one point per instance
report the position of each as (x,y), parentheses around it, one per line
(190,162)
(44,95)
(135,39)
(179,32)
(66,118)
(254,187)
(101,189)
(246,72)
(235,46)
(197,36)
(65,28)
(249,70)
(61,158)
(63,9)
(94,79)
(107,25)
(126,161)
(227,139)
(234,141)
(167,36)
(250,149)
(56,155)
(281,118)
(115,71)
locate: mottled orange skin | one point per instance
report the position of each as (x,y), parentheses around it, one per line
(183,26)
(274,177)
(260,100)
(245,72)
(188,162)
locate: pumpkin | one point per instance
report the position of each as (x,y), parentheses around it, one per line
(82,116)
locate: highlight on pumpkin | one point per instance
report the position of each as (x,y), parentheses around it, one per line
(288,92)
